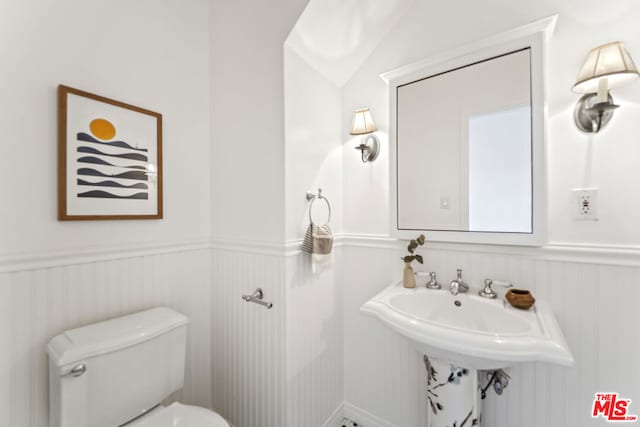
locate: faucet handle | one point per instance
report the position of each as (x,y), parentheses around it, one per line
(487,292)
(433,283)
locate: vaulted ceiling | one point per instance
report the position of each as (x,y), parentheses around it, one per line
(336,36)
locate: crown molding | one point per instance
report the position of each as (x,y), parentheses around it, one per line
(545,26)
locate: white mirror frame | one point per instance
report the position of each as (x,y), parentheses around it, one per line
(533,35)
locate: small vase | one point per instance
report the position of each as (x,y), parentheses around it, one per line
(408,278)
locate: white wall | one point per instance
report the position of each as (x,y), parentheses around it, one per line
(313,146)
(60,275)
(247,117)
(313,159)
(275,134)
(153,55)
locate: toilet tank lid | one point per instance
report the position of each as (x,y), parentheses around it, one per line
(112,335)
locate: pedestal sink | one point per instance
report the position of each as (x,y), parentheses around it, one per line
(462,334)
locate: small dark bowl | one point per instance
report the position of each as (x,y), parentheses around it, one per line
(520,298)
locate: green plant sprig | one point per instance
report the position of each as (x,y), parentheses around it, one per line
(413,245)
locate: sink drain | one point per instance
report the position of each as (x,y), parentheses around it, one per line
(457,303)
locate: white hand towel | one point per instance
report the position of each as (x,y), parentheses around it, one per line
(318,241)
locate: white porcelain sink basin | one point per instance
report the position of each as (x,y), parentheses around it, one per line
(482,317)
(471,331)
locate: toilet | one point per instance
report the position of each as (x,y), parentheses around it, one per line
(119,371)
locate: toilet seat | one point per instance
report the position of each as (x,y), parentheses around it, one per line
(179,415)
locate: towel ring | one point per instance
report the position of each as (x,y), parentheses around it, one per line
(313,197)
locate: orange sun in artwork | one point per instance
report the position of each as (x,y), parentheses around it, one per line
(102,129)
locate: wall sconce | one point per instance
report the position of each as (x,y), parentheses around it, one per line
(363,125)
(606,67)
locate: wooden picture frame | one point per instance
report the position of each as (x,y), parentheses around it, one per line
(109,159)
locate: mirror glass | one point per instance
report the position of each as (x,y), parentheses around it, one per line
(464,148)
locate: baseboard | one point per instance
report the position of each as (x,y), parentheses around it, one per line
(335,420)
(364,418)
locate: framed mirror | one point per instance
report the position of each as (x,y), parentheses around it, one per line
(467,142)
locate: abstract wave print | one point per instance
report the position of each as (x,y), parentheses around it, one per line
(102,168)
(140,185)
(130,156)
(97,161)
(99,194)
(138,176)
(85,137)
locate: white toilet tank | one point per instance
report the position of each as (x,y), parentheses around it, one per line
(132,363)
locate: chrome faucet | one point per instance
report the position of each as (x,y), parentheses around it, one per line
(458,285)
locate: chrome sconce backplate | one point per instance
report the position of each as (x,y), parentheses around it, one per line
(591,116)
(369,147)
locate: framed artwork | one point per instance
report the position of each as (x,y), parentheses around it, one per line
(109,158)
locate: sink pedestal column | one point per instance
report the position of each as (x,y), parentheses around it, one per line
(453,395)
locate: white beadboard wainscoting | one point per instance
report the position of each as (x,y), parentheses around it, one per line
(39,300)
(278,367)
(314,357)
(315,386)
(594,294)
(248,340)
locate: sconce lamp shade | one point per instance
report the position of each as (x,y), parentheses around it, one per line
(610,61)
(362,122)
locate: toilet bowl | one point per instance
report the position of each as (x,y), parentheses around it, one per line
(119,371)
(179,415)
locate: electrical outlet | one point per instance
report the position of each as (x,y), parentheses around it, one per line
(585,204)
